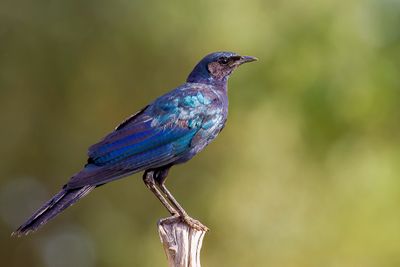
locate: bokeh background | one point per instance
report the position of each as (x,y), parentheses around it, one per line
(306,173)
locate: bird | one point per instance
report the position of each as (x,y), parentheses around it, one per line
(169,131)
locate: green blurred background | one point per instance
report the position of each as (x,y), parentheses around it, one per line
(306,173)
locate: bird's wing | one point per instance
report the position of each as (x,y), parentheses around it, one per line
(156,136)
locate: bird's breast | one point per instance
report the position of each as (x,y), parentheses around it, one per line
(213,120)
(198,108)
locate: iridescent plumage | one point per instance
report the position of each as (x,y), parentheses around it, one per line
(169,131)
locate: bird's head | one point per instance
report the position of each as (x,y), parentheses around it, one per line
(216,67)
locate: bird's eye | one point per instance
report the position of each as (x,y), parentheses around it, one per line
(223,60)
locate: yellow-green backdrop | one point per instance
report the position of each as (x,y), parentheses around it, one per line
(305,174)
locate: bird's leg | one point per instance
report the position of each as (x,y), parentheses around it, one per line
(182,213)
(148,179)
(161,175)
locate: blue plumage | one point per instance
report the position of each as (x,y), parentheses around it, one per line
(169,131)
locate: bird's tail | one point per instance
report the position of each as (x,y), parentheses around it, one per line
(61,201)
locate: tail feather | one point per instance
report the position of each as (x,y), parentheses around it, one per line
(61,201)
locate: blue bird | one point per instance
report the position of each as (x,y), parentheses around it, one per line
(169,131)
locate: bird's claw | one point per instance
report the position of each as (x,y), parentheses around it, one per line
(193,223)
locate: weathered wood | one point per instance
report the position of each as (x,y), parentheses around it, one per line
(182,243)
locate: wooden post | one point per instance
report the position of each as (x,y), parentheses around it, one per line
(182,243)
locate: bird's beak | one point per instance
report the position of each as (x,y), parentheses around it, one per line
(245,59)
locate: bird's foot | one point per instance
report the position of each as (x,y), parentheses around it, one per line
(193,223)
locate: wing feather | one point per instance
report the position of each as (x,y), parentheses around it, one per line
(152,158)
(138,146)
(158,135)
